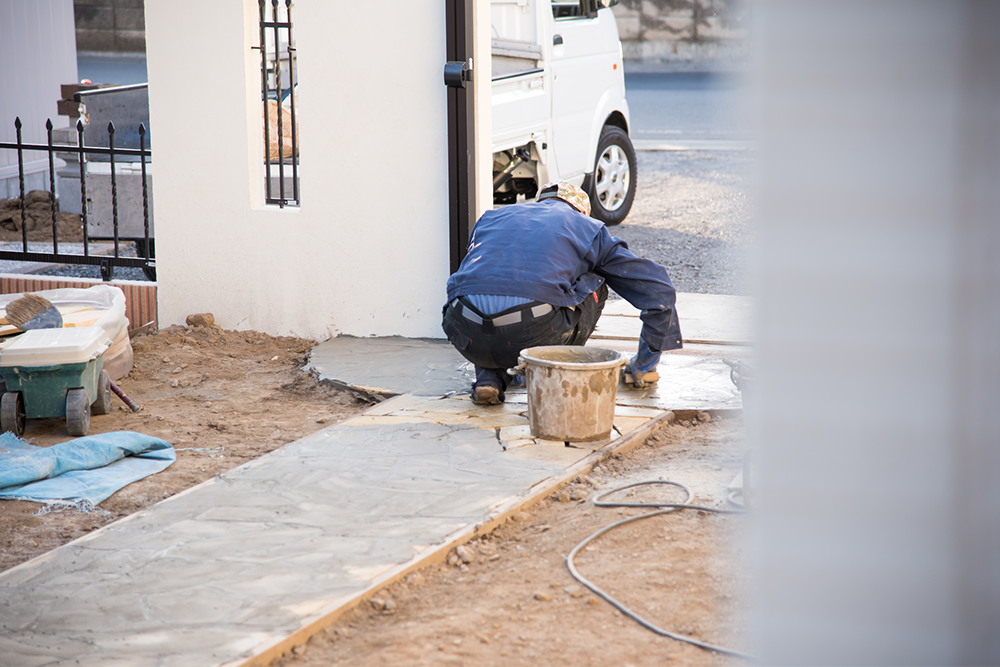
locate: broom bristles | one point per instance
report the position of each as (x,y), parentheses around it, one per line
(26,308)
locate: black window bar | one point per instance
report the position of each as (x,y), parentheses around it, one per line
(106,263)
(276,26)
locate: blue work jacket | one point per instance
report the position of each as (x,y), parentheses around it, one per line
(548,251)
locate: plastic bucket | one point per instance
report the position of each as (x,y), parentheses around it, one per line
(571,391)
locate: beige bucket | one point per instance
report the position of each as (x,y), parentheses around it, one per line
(571,391)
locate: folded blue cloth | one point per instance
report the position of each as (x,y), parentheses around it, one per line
(84,470)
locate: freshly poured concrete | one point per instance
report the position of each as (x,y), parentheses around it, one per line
(392,365)
(233,568)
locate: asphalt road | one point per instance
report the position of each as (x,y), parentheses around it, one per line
(692,212)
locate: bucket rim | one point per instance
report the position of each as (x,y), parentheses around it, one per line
(526,357)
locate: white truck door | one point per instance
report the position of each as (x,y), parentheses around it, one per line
(583,53)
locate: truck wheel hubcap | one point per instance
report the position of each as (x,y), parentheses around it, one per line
(612,178)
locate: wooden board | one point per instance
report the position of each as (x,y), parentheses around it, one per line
(717,319)
(81,319)
(73,316)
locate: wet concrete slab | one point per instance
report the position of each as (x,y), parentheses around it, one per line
(419,366)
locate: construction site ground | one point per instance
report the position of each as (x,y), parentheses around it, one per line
(224,398)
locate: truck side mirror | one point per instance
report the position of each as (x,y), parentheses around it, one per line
(591,7)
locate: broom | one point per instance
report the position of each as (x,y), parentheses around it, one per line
(33,312)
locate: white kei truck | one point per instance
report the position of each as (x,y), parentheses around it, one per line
(559,109)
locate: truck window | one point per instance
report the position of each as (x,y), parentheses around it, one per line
(567,10)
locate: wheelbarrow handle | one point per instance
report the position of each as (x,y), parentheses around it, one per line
(132,405)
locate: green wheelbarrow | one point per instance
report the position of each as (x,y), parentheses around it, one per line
(55,373)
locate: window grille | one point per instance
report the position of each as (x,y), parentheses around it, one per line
(277,82)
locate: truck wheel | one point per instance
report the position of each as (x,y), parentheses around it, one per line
(77,412)
(613,186)
(12,413)
(102,405)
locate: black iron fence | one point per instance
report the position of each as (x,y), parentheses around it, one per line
(281,146)
(107,263)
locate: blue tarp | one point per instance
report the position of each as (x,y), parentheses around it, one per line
(81,472)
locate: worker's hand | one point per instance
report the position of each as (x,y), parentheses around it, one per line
(641,370)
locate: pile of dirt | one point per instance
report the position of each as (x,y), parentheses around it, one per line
(38,212)
(222,398)
(508,599)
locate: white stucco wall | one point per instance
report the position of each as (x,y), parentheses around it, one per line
(367,251)
(37,55)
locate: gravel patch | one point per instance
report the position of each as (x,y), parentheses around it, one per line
(92,271)
(692,214)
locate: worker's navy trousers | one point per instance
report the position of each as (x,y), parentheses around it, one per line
(495,347)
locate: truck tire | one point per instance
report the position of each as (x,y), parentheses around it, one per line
(613,186)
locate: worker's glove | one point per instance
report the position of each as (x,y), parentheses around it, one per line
(641,370)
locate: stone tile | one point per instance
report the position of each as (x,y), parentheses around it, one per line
(511,444)
(400,402)
(556,454)
(631,411)
(497,420)
(628,424)
(515,432)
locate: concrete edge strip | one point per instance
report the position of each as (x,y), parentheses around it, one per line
(327,616)
(693,341)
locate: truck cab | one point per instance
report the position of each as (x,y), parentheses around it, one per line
(559,109)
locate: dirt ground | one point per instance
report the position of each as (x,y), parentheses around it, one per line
(38,219)
(222,398)
(515,602)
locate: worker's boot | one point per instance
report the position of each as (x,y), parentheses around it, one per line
(488,388)
(486,394)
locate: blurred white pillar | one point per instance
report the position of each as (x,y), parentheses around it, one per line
(879,330)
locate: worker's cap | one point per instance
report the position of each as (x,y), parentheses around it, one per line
(568,193)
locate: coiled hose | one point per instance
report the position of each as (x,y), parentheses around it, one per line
(668,508)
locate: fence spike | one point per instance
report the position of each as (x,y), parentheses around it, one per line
(79,125)
(111,127)
(142,129)
(48,124)
(17,123)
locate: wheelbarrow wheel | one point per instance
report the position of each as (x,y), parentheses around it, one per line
(77,412)
(12,413)
(102,405)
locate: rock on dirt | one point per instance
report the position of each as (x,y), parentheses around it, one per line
(200,320)
(466,554)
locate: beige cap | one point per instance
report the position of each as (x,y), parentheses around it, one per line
(568,193)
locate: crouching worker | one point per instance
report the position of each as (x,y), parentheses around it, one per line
(538,274)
